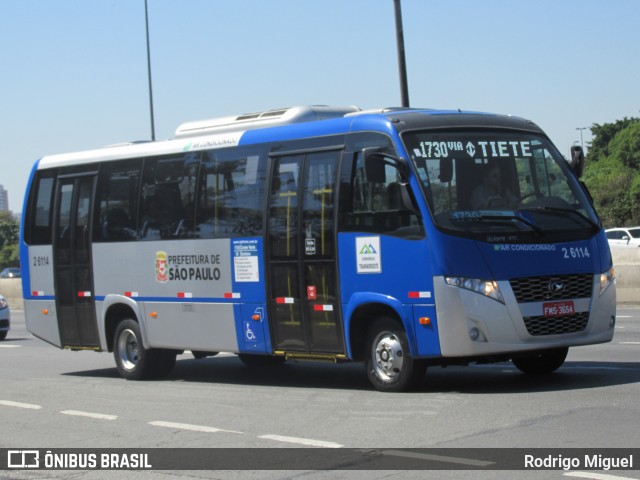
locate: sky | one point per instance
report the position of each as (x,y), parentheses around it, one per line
(73,73)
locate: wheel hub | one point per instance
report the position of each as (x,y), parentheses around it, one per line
(388,356)
(129,349)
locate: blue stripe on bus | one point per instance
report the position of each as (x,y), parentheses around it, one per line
(24,249)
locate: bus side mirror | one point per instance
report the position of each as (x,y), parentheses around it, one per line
(577,160)
(374,164)
(446,170)
(375,161)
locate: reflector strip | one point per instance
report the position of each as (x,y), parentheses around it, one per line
(419,294)
(84,294)
(284,300)
(130,294)
(323,308)
(37,294)
(185,295)
(231,295)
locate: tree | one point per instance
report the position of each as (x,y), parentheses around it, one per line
(612,173)
(9,234)
(603,136)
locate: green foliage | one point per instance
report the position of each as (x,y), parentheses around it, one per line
(9,233)
(613,172)
(625,146)
(603,135)
(9,256)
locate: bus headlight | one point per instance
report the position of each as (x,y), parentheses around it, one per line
(488,288)
(606,279)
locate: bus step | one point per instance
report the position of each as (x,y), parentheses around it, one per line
(313,357)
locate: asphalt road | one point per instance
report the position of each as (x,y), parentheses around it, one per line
(53,399)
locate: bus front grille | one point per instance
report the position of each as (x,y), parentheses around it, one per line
(538,326)
(553,287)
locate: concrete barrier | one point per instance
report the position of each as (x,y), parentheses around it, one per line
(626,261)
(11,289)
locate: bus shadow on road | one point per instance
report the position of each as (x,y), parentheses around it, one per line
(505,378)
(475,379)
(291,374)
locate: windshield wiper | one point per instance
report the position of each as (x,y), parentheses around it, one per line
(558,210)
(503,218)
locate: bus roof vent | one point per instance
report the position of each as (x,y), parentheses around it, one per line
(270,118)
(381,110)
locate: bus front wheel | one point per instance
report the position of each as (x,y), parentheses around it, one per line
(134,362)
(546,361)
(390,366)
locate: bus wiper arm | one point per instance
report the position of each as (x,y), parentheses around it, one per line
(594,226)
(503,218)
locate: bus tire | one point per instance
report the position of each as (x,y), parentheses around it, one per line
(390,366)
(546,361)
(3,335)
(133,361)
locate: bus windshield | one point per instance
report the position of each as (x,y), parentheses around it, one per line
(481,182)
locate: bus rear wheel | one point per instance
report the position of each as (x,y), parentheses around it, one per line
(134,362)
(390,366)
(546,361)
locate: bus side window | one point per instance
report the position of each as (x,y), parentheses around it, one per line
(117,200)
(376,206)
(38,231)
(230,194)
(168,197)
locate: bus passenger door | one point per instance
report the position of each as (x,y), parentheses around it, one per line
(303,289)
(75,302)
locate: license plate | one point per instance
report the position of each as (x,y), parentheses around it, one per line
(557,309)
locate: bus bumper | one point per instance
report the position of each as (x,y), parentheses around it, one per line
(473,325)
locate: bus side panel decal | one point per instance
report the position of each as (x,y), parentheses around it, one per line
(40,279)
(248,280)
(251,328)
(248,269)
(164,270)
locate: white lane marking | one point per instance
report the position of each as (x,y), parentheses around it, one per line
(9,403)
(100,416)
(628,343)
(301,441)
(438,458)
(193,428)
(10,346)
(584,367)
(596,476)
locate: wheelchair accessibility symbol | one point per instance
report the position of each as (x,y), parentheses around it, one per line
(248,333)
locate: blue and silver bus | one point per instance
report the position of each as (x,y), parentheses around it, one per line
(400,238)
